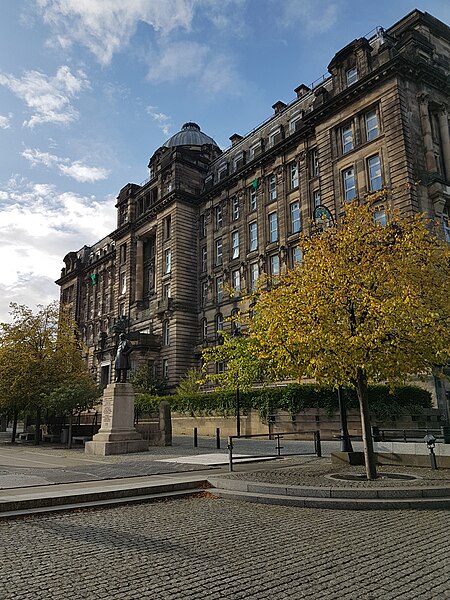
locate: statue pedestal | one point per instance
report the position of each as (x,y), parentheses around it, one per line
(117,434)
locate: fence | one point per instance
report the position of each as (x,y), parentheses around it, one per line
(277,437)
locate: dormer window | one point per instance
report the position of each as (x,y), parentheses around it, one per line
(238,161)
(275,137)
(223,172)
(351,76)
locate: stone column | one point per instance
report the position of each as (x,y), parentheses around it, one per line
(445,140)
(427,133)
(139,284)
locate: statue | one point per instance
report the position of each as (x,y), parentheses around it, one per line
(122,363)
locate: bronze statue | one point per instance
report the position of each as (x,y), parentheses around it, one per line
(122,363)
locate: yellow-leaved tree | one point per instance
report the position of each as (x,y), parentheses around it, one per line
(368,303)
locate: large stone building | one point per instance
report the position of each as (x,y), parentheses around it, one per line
(206,220)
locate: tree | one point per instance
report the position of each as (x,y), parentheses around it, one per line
(368,303)
(38,354)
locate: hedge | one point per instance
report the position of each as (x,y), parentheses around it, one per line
(383,402)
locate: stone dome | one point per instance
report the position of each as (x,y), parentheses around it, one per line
(190,135)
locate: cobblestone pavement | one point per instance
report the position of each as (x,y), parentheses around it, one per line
(209,549)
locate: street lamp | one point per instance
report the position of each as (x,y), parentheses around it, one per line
(237,333)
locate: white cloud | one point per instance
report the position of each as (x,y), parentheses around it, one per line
(77,170)
(48,98)
(38,227)
(83,173)
(5,121)
(105,27)
(178,60)
(163,121)
(313,16)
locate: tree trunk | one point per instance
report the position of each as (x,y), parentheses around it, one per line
(69,441)
(14,427)
(369,455)
(37,434)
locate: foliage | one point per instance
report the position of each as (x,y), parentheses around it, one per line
(145,382)
(74,396)
(190,383)
(295,398)
(39,353)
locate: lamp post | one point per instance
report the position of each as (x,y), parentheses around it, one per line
(237,333)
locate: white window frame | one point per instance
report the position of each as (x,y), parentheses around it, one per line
(167,261)
(372,131)
(272,136)
(204,328)
(273,227)
(349,183)
(219,289)
(235,208)
(347,139)
(254,275)
(165,368)
(204,263)
(317,198)
(252,199)
(297,256)
(218,253)
(218,216)
(351,76)
(166,333)
(379,217)
(296,223)
(272,187)
(374,173)
(274,265)
(236,280)
(252,236)
(293,174)
(235,244)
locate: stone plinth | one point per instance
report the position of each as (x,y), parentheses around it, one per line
(117,434)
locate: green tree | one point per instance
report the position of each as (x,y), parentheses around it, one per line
(368,303)
(39,352)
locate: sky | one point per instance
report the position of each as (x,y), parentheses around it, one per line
(89,89)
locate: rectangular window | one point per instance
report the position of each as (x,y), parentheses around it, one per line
(167,261)
(123,253)
(295,123)
(372,128)
(349,184)
(122,309)
(236,280)
(223,172)
(235,244)
(167,227)
(204,328)
(252,236)
(219,289)
(379,216)
(202,226)
(165,368)
(238,161)
(351,76)
(275,265)
(275,137)
(297,256)
(374,168)
(295,217)
(166,333)
(254,274)
(252,199)
(293,172)
(219,256)
(219,216)
(316,198)
(272,187)
(204,255)
(166,294)
(235,209)
(273,227)
(347,138)
(204,293)
(123,283)
(314,163)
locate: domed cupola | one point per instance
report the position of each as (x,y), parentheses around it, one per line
(190,135)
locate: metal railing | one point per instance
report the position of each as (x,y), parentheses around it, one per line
(410,435)
(277,437)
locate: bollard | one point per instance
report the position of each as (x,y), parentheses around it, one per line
(278,448)
(317,444)
(217,438)
(430,441)
(195,438)
(230,453)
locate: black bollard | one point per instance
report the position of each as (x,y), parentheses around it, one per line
(195,438)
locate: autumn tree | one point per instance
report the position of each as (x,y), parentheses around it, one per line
(368,303)
(38,353)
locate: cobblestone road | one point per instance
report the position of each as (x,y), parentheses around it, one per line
(209,549)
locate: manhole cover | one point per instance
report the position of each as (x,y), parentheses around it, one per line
(363,477)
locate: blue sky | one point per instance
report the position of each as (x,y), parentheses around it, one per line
(89,89)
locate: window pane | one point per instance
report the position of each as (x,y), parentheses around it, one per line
(351,75)
(272,187)
(235,244)
(253,237)
(273,227)
(294,175)
(295,217)
(372,130)
(349,184)
(274,265)
(375,179)
(347,139)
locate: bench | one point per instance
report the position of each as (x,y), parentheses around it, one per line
(82,439)
(26,435)
(51,437)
